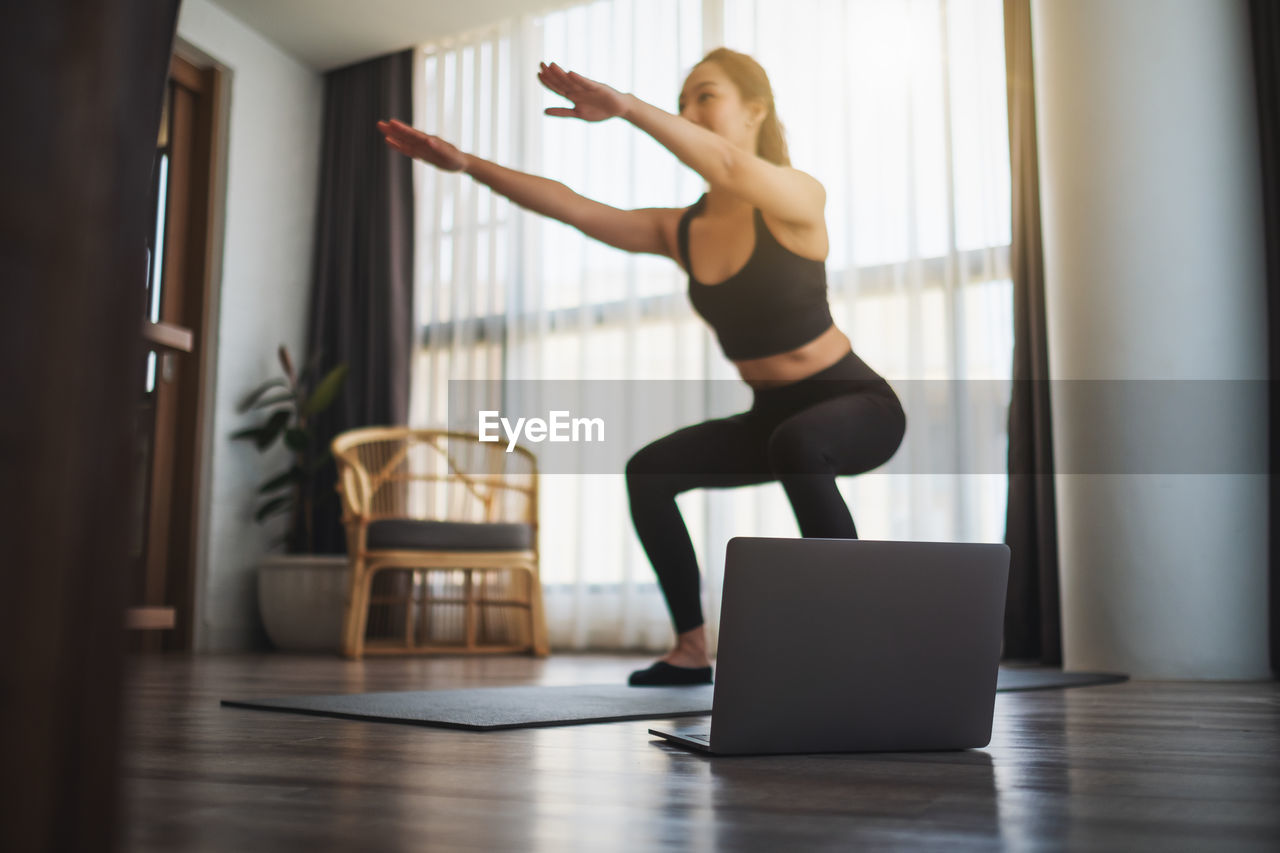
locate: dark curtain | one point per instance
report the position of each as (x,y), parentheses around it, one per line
(1032,623)
(1265,16)
(80,107)
(362,288)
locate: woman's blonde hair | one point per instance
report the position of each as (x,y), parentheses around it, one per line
(753,85)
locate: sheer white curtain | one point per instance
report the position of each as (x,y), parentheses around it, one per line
(897,106)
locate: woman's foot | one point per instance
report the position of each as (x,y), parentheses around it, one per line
(663,674)
(687,658)
(687,663)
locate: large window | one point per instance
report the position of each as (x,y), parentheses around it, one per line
(897,107)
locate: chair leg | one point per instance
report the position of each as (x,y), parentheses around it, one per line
(349,610)
(357,615)
(362,614)
(537,616)
(469,615)
(408,610)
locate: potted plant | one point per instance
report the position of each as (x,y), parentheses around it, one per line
(300,593)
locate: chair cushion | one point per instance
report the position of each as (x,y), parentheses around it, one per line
(408,535)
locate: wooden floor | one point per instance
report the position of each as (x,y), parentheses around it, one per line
(1154,765)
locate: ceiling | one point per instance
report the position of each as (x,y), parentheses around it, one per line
(327,34)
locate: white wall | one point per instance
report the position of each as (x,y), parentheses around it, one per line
(271,163)
(1154,271)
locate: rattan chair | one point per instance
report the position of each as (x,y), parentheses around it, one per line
(456,520)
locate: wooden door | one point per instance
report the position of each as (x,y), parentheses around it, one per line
(177,311)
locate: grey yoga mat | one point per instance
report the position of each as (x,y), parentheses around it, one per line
(490,708)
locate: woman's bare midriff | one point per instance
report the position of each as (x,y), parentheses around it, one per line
(787,367)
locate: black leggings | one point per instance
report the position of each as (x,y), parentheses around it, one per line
(843,420)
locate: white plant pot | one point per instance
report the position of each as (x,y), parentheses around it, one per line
(302,597)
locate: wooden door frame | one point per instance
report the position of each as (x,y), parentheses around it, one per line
(188,589)
(168,555)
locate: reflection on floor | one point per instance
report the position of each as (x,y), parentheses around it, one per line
(1168,765)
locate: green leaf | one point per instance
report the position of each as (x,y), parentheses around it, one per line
(268,402)
(267,434)
(297,440)
(256,394)
(249,432)
(288,478)
(326,391)
(275,506)
(287,364)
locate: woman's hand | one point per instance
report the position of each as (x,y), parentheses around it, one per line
(592,101)
(422,146)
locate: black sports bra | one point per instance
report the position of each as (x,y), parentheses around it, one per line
(774,304)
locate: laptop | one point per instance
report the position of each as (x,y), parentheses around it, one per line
(850,645)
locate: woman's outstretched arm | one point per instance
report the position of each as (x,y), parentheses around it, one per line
(787,193)
(632,230)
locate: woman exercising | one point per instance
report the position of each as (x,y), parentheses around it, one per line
(754,247)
